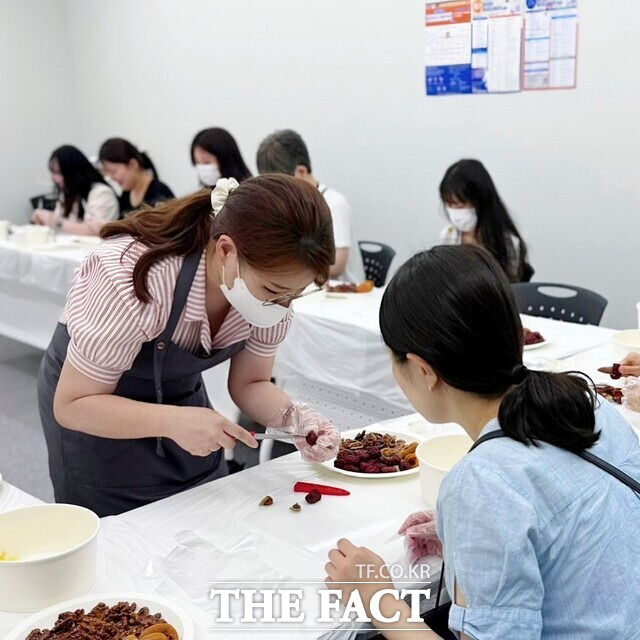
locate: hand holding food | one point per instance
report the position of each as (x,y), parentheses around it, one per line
(421,536)
(630,366)
(317,438)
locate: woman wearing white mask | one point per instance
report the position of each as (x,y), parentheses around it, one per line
(478,216)
(215,154)
(171,292)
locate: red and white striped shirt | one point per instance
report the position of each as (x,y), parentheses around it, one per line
(108,324)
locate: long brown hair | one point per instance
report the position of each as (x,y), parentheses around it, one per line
(276,221)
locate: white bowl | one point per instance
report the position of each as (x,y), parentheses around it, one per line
(624,342)
(437,456)
(55,546)
(29,234)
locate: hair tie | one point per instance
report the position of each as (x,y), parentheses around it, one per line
(221,192)
(519,373)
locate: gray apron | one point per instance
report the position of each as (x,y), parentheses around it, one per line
(111,476)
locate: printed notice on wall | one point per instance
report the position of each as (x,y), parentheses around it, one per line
(550,44)
(448,47)
(496,45)
(500,46)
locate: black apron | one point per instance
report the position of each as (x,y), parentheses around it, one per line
(111,476)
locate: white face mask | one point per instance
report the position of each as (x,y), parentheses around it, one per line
(252,309)
(463,220)
(209,174)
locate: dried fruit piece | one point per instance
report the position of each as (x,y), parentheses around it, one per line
(312,438)
(365,287)
(164,629)
(313,496)
(295,507)
(615,372)
(266,501)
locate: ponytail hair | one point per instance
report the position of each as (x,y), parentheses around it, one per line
(122,151)
(453,306)
(276,221)
(557,408)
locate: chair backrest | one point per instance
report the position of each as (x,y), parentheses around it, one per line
(376,258)
(572,304)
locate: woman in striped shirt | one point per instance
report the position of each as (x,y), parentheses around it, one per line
(171,292)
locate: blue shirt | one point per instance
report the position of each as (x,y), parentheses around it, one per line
(542,543)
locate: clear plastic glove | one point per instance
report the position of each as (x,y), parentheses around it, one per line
(318,440)
(631,391)
(420,534)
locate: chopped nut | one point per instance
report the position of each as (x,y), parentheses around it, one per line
(266,501)
(295,507)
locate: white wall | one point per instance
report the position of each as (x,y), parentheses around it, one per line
(36,99)
(349,76)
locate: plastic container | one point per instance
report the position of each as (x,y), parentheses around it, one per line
(54,547)
(624,342)
(437,456)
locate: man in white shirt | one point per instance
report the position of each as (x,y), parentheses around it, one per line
(285,152)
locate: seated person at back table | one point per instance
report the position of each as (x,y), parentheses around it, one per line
(285,152)
(85,203)
(477,215)
(215,154)
(134,172)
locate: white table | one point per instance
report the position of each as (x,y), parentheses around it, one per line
(215,534)
(334,357)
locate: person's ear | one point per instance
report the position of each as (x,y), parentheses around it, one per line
(226,248)
(425,370)
(301,171)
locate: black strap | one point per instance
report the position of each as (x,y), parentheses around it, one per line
(586,455)
(161,343)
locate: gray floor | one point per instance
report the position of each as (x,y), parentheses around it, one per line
(23,453)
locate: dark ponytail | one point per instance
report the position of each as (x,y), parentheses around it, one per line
(122,151)
(453,307)
(557,408)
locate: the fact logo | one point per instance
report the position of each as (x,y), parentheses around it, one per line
(284,606)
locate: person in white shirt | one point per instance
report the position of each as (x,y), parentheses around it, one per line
(285,152)
(86,202)
(478,216)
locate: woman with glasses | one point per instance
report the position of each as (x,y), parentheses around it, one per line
(173,291)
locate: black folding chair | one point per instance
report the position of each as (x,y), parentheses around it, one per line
(560,302)
(376,258)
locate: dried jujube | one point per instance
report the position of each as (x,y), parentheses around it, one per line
(313,496)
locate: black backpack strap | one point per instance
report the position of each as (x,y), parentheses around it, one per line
(586,455)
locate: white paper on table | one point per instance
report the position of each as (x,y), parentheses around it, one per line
(564,33)
(448,45)
(504,54)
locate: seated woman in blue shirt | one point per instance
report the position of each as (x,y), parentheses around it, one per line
(538,543)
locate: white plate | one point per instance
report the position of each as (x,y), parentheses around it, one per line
(171,612)
(537,345)
(328,464)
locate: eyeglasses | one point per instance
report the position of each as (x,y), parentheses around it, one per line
(288,297)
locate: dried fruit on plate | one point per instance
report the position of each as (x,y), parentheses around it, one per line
(612,394)
(375,453)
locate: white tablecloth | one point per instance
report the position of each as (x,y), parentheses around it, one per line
(216,534)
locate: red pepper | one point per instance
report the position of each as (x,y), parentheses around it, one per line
(306,487)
